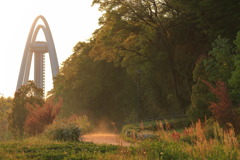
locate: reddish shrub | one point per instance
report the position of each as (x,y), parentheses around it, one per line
(222,110)
(39,117)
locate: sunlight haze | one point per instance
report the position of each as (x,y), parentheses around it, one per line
(70,21)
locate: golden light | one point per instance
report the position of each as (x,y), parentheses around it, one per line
(70,22)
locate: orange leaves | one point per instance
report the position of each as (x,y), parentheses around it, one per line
(39,117)
(222,110)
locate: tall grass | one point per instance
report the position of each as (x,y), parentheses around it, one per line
(195,142)
(200,141)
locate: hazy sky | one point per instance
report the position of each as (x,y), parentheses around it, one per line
(70,21)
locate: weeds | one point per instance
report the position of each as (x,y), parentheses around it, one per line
(200,141)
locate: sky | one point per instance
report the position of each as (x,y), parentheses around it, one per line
(70,21)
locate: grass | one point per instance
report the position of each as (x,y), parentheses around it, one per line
(174,123)
(54,150)
(198,142)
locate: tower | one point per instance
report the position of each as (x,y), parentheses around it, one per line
(38,49)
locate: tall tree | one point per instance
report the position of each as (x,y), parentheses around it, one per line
(154,34)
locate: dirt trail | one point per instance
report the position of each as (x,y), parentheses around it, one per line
(105,138)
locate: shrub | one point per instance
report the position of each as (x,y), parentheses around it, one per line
(69,129)
(81,122)
(39,117)
(223,109)
(69,133)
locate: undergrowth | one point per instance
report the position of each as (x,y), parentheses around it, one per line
(200,141)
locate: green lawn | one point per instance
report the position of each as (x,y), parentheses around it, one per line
(55,150)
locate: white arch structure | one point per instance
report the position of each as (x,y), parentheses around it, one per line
(39,49)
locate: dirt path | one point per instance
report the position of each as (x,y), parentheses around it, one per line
(106,138)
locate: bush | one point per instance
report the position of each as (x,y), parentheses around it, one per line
(81,122)
(69,129)
(223,110)
(39,117)
(71,133)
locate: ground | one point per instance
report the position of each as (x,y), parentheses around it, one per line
(105,138)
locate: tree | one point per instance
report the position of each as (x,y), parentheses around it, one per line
(221,64)
(153,45)
(97,89)
(234,81)
(148,35)
(27,94)
(222,110)
(216,17)
(200,93)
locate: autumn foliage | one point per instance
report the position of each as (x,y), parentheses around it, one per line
(39,117)
(222,110)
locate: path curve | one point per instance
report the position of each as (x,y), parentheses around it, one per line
(105,138)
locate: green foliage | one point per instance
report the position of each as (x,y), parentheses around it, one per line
(6,105)
(164,150)
(216,17)
(234,80)
(199,106)
(53,150)
(69,129)
(210,126)
(138,130)
(139,61)
(223,145)
(27,94)
(81,122)
(217,66)
(94,88)
(220,64)
(150,47)
(68,133)
(199,141)
(237,42)
(146,36)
